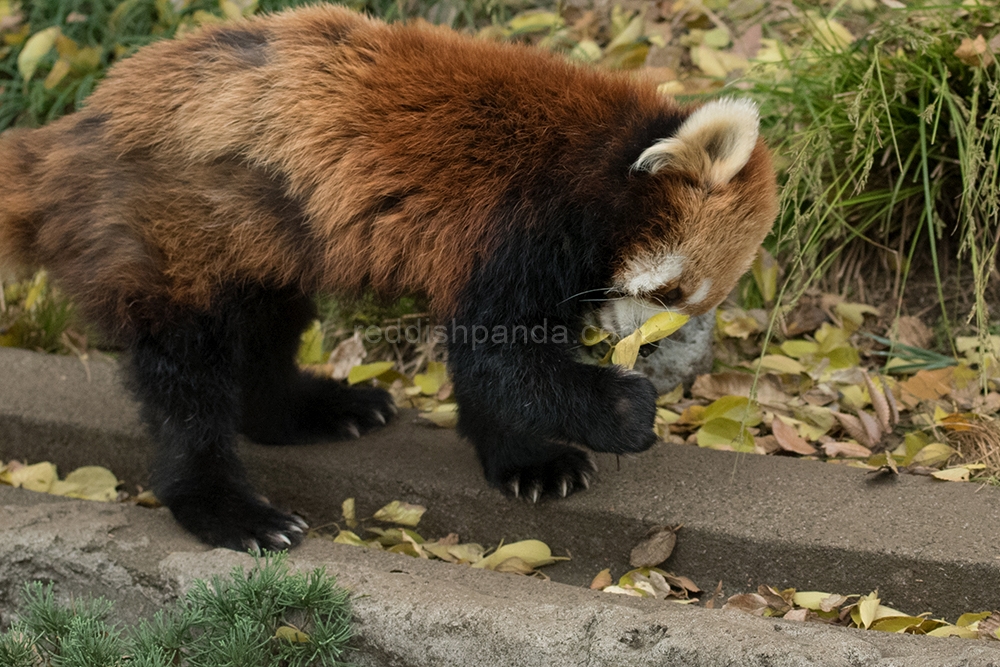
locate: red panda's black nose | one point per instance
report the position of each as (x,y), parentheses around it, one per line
(648,349)
(667,297)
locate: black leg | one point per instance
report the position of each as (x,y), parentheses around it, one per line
(186,378)
(280,404)
(529,408)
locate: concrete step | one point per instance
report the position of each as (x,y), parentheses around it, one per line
(414,613)
(748,520)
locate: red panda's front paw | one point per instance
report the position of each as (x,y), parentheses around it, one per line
(567,470)
(624,418)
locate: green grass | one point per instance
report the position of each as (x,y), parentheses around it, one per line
(36,316)
(894,146)
(263,617)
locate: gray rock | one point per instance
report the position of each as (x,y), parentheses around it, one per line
(682,356)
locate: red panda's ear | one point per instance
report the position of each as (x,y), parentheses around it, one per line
(714,142)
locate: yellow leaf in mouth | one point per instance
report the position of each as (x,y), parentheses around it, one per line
(627,350)
(661,325)
(592,336)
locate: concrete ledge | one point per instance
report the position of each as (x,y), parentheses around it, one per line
(417,613)
(926,545)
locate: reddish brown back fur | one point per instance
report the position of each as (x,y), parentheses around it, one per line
(319,148)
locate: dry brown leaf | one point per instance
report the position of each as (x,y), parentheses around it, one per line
(777,600)
(847,449)
(820,395)
(872,429)
(988,404)
(910,330)
(974,52)
(789,440)
(682,582)
(602,580)
(748,44)
(748,602)
(797,615)
(655,547)
(926,385)
(853,426)
(805,318)
(893,406)
(733,383)
(880,403)
(658,75)
(716,596)
(768,444)
(147,499)
(832,601)
(989,627)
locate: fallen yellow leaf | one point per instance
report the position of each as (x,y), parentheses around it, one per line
(290,634)
(368,371)
(781,364)
(37,477)
(37,46)
(90,483)
(534,553)
(403,514)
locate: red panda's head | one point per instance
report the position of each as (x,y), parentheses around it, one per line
(709,199)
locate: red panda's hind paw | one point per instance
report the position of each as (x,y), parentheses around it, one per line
(343,413)
(240,522)
(321,409)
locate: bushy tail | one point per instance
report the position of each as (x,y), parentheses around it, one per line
(20,215)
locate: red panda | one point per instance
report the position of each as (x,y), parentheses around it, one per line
(216,181)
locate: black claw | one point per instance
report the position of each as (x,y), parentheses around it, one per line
(566,472)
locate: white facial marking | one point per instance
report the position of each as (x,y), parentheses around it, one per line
(623,316)
(650,272)
(699,294)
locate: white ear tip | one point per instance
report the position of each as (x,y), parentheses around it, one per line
(740,113)
(716,139)
(735,105)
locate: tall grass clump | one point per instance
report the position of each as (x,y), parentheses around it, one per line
(893,138)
